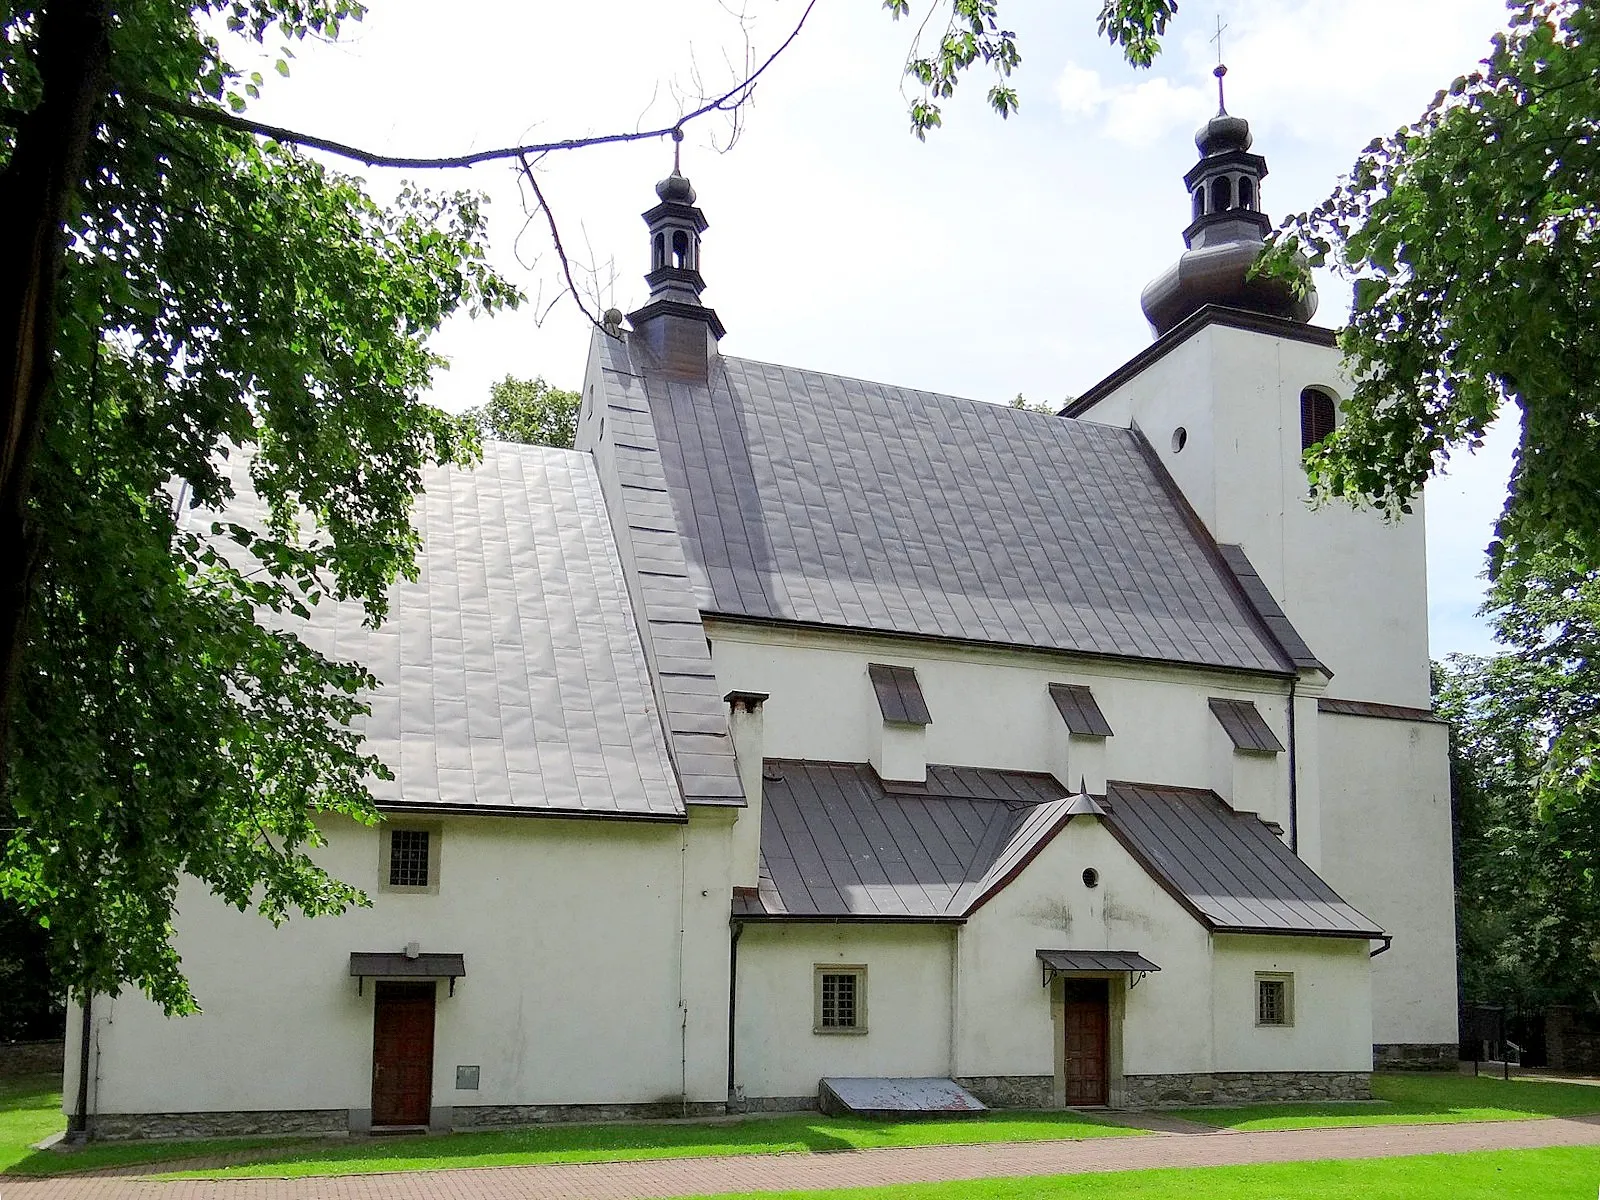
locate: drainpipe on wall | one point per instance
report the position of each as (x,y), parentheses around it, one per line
(733,1000)
(1294,776)
(78,1128)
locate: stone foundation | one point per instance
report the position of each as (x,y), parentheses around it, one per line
(118,1127)
(498,1116)
(1415,1056)
(1011,1091)
(31,1058)
(775,1104)
(1243,1087)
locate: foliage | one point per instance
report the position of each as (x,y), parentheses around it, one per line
(31,1007)
(1473,239)
(1038,406)
(529,410)
(1528,896)
(241,319)
(973,34)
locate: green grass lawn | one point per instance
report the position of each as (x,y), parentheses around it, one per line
(1562,1174)
(1415,1100)
(30,1109)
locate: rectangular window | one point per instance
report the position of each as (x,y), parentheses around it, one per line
(1274,999)
(841,999)
(410,858)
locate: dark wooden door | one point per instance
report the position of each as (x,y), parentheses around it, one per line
(402,1053)
(1088,1022)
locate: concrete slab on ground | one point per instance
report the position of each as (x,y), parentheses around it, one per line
(898,1099)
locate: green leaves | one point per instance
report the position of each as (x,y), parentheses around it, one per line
(1136,26)
(529,411)
(1471,238)
(236,320)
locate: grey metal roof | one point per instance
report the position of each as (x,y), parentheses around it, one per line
(836,844)
(1268,608)
(429,966)
(899,694)
(1371,708)
(622,438)
(1245,725)
(1096,960)
(1079,709)
(811,498)
(1227,867)
(513,679)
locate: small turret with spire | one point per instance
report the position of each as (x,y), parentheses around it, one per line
(679,330)
(1226,234)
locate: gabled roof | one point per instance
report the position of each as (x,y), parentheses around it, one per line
(837,844)
(514,682)
(814,499)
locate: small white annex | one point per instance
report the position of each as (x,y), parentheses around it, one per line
(797,727)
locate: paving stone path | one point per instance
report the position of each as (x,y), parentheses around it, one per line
(850,1168)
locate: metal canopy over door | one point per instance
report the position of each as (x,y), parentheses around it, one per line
(1088,1033)
(402,1053)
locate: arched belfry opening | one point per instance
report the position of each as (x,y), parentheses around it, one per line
(1319,414)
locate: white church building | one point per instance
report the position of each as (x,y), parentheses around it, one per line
(796,727)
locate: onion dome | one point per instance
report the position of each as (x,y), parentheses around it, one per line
(675,189)
(1226,235)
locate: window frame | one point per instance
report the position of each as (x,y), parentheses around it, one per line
(1286,978)
(1309,396)
(856,970)
(387,831)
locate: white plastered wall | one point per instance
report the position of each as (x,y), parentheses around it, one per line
(1354,585)
(1005,1024)
(1332,1004)
(1386,849)
(990,708)
(777,1052)
(574,967)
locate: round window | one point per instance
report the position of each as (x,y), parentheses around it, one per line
(1091,877)
(1180,438)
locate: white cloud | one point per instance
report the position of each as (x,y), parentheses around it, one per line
(1135,114)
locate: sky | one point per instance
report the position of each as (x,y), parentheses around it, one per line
(995,258)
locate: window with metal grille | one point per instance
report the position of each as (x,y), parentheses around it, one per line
(1274,1000)
(1317,416)
(408,858)
(841,999)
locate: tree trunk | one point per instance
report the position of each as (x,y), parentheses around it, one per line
(37,189)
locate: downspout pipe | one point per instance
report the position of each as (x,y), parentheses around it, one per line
(78,1127)
(1294,775)
(733,1000)
(1388,940)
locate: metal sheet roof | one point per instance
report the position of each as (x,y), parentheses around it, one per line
(1268,608)
(401,966)
(812,498)
(899,694)
(1079,709)
(1245,725)
(1096,960)
(1227,867)
(513,678)
(836,844)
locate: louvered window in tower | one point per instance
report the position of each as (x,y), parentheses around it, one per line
(1316,416)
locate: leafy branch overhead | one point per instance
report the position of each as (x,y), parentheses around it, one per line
(1473,240)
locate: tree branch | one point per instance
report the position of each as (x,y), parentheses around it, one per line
(729,101)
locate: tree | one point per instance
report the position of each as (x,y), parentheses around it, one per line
(1471,237)
(191,309)
(219,295)
(529,410)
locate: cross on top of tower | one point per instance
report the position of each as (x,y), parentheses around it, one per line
(1220,69)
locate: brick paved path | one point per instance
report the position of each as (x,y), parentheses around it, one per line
(851,1168)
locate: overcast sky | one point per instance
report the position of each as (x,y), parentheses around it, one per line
(996,258)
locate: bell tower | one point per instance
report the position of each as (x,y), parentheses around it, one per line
(680,331)
(1226,235)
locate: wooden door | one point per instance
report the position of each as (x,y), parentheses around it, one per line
(402,1053)
(1088,1031)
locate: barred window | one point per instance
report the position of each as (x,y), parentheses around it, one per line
(841,999)
(408,858)
(1274,1000)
